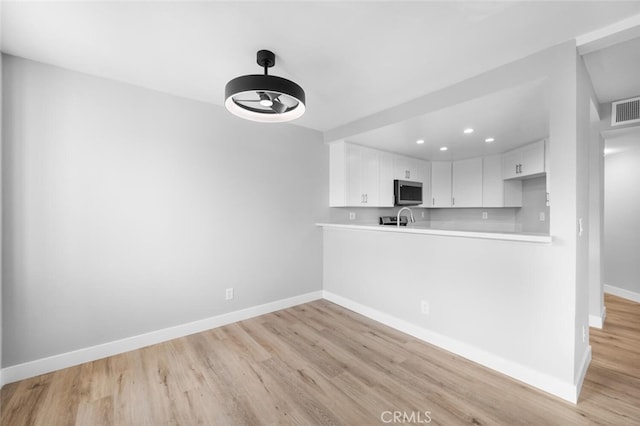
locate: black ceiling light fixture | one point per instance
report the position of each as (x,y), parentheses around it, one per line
(264,98)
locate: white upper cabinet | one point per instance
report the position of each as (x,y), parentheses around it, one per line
(526,161)
(467,183)
(353,176)
(497,192)
(405,168)
(547,168)
(385,179)
(441,184)
(363,177)
(511,164)
(424,176)
(533,159)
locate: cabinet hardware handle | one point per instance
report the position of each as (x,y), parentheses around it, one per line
(366,198)
(433,202)
(453,201)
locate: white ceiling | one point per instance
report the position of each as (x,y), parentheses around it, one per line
(512,117)
(352,58)
(615,71)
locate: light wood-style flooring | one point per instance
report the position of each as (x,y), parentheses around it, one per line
(321,364)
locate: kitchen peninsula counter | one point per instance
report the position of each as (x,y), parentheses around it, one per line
(427,230)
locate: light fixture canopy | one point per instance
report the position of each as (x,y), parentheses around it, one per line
(264,98)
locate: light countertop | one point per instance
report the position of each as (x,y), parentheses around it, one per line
(426,230)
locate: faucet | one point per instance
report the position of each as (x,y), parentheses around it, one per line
(411,219)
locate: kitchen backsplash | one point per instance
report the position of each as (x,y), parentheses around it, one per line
(369,215)
(534,202)
(498,220)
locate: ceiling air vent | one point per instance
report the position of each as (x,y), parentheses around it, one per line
(625,112)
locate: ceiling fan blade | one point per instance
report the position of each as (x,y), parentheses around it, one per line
(278,106)
(246,100)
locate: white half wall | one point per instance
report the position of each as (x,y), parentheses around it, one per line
(129,211)
(499,303)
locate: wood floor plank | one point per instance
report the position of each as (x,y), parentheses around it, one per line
(97,412)
(318,363)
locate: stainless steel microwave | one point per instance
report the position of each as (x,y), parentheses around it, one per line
(407,193)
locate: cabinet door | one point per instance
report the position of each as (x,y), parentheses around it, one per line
(497,192)
(441,184)
(547,170)
(532,162)
(412,170)
(492,182)
(405,168)
(400,167)
(337,175)
(385,179)
(467,183)
(424,175)
(369,178)
(511,164)
(354,167)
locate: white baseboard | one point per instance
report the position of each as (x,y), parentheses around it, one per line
(80,356)
(621,292)
(584,366)
(565,390)
(597,321)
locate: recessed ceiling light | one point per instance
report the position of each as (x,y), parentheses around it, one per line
(444,148)
(420,141)
(489,140)
(468,130)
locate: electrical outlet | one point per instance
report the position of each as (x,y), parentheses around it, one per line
(352,215)
(228,295)
(424,307)
(542,217)
(485,215)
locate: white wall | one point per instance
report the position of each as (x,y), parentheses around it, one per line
(583,140)
(597,311)
(622,221)
(128,211)
(1,208)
